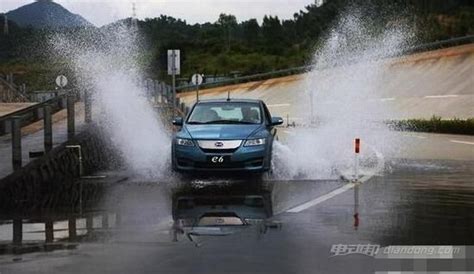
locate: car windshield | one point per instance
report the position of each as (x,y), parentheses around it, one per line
(226,113)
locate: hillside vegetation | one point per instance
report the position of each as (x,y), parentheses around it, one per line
(231,46)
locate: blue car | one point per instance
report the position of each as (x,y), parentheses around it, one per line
(225,135)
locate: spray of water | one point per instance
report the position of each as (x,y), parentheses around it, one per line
(107,65)
(344,100)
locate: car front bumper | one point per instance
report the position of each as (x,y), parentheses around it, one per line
(194,158)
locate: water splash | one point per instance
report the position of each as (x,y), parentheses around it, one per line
(344,100)
(107,62)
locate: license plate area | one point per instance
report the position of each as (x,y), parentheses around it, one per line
(218,159)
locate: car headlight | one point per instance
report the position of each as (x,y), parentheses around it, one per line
(184,142)
(254,142)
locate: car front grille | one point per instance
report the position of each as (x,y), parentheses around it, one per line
(216,145)
(219,150)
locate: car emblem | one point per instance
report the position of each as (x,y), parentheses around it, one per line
(218,144)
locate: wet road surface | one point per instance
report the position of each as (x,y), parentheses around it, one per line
(416,202)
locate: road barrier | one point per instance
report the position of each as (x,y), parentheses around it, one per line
(55,173)
(32,114)
(356,159)
(12,123)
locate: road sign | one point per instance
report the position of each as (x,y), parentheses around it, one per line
(61,81)
(174,62)
(197,79)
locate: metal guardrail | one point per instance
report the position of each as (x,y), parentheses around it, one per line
(441,44)
(13,122)
(249,78)
(32,113)
(298,70)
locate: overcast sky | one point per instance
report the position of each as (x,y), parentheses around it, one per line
(100,12)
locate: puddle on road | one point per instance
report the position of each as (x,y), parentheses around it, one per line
(152,213)
(409,206)
(406,206)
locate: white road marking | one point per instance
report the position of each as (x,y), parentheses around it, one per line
(387,99)
(342,189)
(414,136)
(321,199)
(440,96)
(289,132)
(462,142)
(279,105)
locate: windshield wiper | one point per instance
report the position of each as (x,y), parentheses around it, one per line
(229,122)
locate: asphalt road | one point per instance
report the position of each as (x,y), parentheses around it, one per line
(426,197)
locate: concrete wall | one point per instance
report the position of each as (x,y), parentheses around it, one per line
(49,181)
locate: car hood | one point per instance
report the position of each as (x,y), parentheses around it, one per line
(229,132)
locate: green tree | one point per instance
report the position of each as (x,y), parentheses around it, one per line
(251,31)
(228,23)
(272,31)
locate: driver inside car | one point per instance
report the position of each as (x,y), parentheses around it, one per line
(250,115)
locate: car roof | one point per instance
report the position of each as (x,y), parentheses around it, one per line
(232,100)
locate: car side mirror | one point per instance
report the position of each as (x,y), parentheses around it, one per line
(276,121)
(178,121)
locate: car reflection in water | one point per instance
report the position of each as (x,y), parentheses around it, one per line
(220,215)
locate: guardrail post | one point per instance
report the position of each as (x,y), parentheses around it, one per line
(70,117)
(169,94)
(3,127)
(16,142)
(164,93)
(37,114)
(49,231)
(105,220)
(72,228)
(118,219)
(48,128)
(89,223)
(158,92)
(62,101)
(87,107)
(17,231)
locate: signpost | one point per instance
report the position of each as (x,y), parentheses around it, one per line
(174,68)
(61,81)
(197,80)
